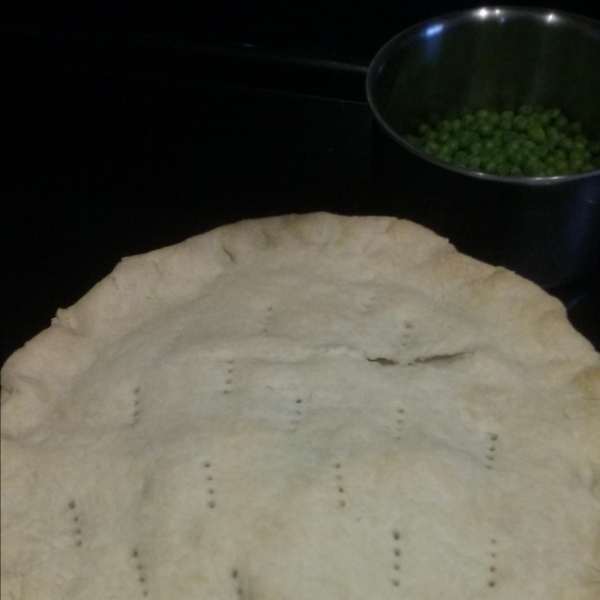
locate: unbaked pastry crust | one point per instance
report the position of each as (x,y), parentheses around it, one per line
(300,408)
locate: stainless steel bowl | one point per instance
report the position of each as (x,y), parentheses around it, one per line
(547,229)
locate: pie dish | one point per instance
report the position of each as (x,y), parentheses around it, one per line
(301,408)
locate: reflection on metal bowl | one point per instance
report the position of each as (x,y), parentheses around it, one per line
(545,228)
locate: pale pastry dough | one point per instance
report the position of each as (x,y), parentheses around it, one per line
(305,407)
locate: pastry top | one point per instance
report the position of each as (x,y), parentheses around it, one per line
(304,407)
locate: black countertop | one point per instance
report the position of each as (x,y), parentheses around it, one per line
(113,151)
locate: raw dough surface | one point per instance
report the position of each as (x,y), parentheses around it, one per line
(304,408)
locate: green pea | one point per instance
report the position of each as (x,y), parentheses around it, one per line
(512,144)
(517,157)
(443,137)
(588,166)
(476,148)
(501,155)
(574,127)
(553,134)
(525,109)
(453,145)
(507,114)
(460,161)
(578,154)
(544,119)
(463,139)
(506,124)
(487,144)
(443,125)
(424,128)
(448,148)
(508,137)
(555,112)
(595,147)
(482,113)
(456,125)
(576,164)
(516,171)
(485,129)
(561,122)
(470,124)
(562,166)
(520,123)
(533,166)
(493,119)
(474,162)
(559,154)
(537,133)
(431,147)
(566,144)
(489,165)
(504,168)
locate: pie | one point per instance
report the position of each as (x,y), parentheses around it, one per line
(309,407)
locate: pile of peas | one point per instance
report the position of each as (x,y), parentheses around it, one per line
(531,142)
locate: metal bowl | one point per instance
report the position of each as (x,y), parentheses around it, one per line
(546,229)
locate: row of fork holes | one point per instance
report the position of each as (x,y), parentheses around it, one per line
(492,568)
(210,490)
(297,414)
(490,456)
(139,567)
(228,377)
(234,576)
(397,554)
(136,406)
(76,518)
(399,423)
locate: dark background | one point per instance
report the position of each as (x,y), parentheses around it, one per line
(127,128)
